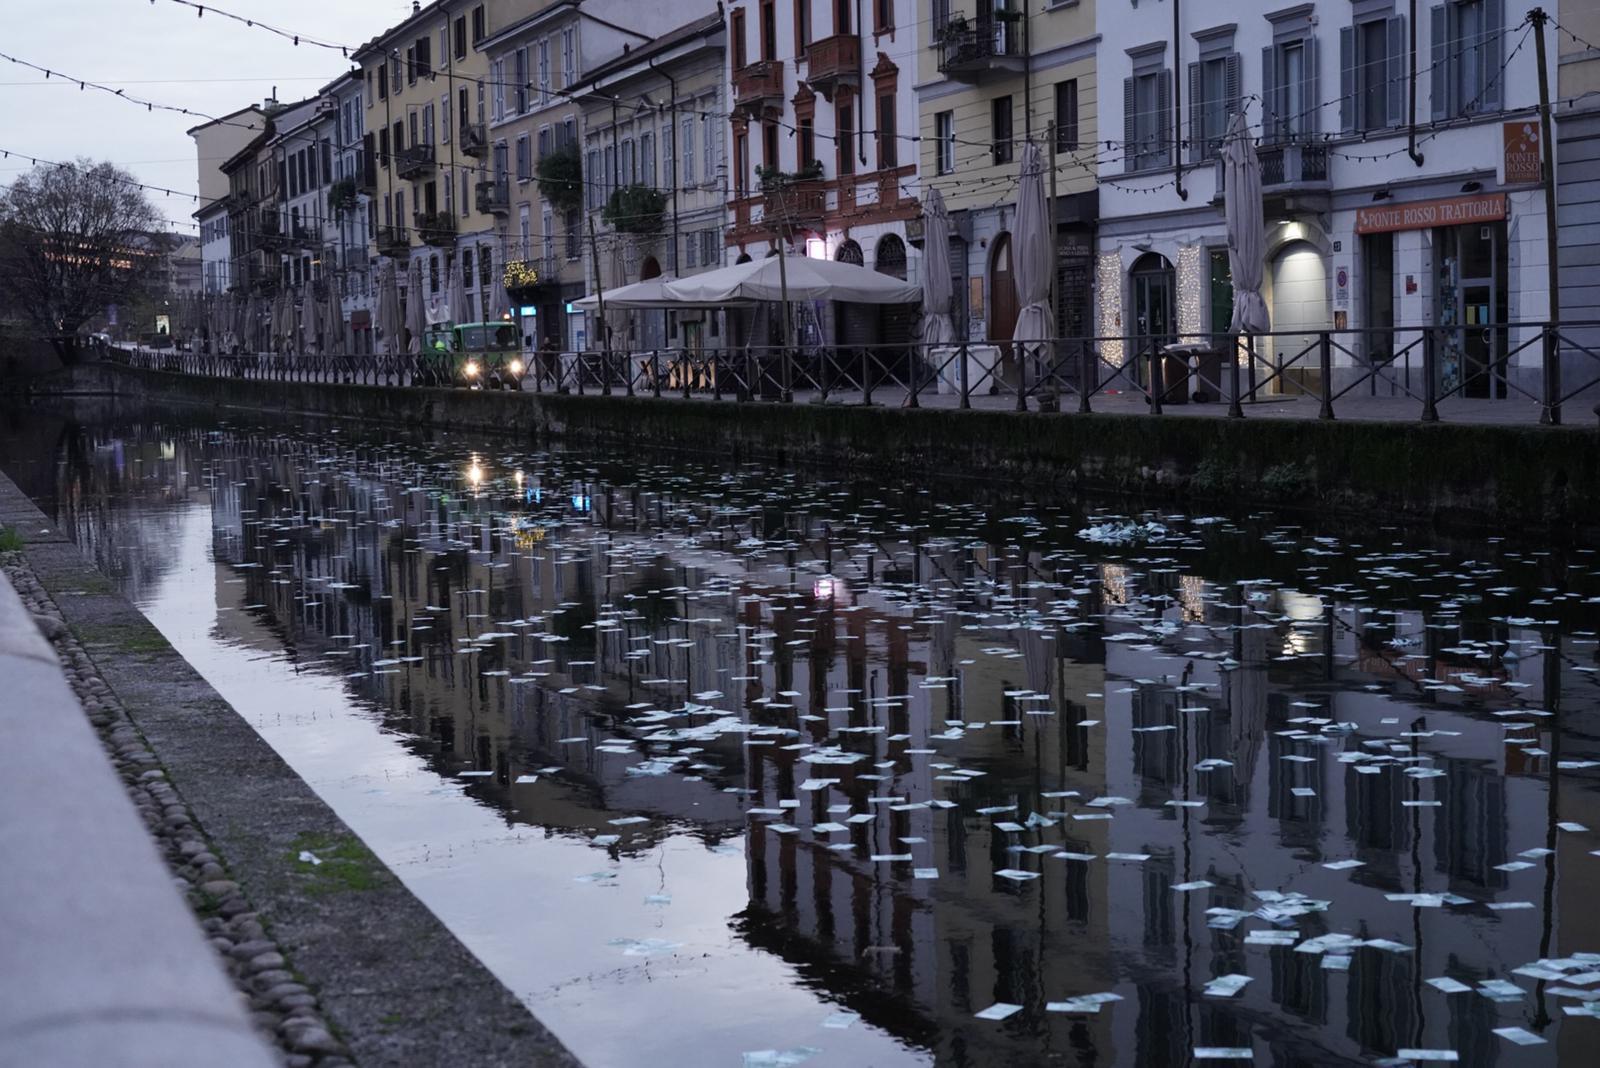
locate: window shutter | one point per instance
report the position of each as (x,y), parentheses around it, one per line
(1347,79)
(1493,52)
(1439,87)
(1310,95)
(1230,89)
(1397,70)
(1164,103)
(1199,136)
(1270,123)
(1130,127)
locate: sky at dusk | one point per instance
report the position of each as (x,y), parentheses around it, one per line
(161,52)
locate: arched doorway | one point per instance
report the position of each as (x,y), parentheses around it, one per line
(1002,290)
(650,268)
(890,256)
(1299,309)
(1155,286)
(850,252)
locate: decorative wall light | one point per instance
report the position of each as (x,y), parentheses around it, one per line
(1108,284)
(1191,292)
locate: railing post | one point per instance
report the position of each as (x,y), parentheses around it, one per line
(866,378)
(716,375)
(577,368)
(1325,363)
(605,372)
(1157,385)
(1088,371)
(1430,410)
(1551,416)
(966,384)
(913,363)
(686,371)
(1022,377)
(628,366)
(787,394)
(1235,409)
(655,373)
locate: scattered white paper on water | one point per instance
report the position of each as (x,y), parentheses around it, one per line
(1448,985)
(998,1011)
(308,857)
(779,1058)
(1224,1053)
(1427,1055)
(1520,1036)
(1226,986)
(524,780)
(643,947)
(1198,884)
(1013,874)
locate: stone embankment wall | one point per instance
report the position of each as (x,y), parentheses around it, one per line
(1466,475)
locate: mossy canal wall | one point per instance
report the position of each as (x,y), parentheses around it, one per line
(1524,478)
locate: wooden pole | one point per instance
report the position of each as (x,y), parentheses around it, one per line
(1537,18)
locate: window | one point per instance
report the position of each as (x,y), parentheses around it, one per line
(1289,89)
(477,24)
(841,16)
(574,232)
(888,140)
(1468,44)
(647,159)
(411,66)
(805,142)
(1372,74)
(708,172)
(592,182)
(769,145)
(544,72)
(629,163)
(941,14)
(741,163)
(427,124)
(411,117)
(688,152)
(383,82)
(802,26)
(497,75)
(769,31)
(609,177)
(882,16)
(520,76)
(944,142)
(466,192)
(1000,129)
(844,125)
(1067,115)
(524,159)
(737,34)
(569,58)
(424,56)
(544,141)
(547,228)
(383,147)
(430,198)
(1147,120)
(525,230)
(461,37)
(1213,99)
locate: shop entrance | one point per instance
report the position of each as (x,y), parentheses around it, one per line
(1155,287)
(1470,299)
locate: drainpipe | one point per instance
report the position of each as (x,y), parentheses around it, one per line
(673,111)
(1411,117)
(1027,74)
(861,94)
(1177,103)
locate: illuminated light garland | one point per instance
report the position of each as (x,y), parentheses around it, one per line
(1108,297)
(1191,287)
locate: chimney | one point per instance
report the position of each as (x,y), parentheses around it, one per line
(416,7)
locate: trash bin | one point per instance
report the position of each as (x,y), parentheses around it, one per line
(1198,374)
(1174,374)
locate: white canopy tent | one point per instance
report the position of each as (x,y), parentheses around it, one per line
(808,279)
(649,295)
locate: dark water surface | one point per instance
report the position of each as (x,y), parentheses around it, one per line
(750,767)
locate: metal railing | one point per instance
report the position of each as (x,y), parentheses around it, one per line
(1403,373)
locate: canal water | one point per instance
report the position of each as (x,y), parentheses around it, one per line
(744,766)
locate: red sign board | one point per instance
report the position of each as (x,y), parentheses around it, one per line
(1524,161)
(1426,214)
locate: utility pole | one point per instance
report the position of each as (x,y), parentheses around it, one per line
(1552,360)
(1055,271)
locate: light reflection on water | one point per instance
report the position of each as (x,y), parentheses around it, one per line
(736,658)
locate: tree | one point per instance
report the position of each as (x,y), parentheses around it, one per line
(74,238)
(560,177)
(635,209)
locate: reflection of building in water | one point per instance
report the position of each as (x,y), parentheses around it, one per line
(693,657)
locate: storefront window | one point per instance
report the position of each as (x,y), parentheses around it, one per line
(1377,295)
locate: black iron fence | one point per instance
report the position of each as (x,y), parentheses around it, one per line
(1415,369)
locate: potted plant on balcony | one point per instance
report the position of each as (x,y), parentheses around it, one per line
(560,176)
(772,179)
(436,228)
(635,209)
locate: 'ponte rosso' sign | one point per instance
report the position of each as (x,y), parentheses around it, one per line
(1426,214)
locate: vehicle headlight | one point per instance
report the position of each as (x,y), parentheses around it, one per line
(516,367)
(471,369)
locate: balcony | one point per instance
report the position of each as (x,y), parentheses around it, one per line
(1294,179)
(972,52)
(414,162)
(394,242)
(302,236)
(367,174)
(758,87)
(832,62)
(493,197)
(795,205)
(436,228)
(473,140)
(270,231)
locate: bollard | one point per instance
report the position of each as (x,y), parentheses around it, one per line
(1430,411)
(1551,416)
(1325,364)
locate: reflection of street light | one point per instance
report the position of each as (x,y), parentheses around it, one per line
(475,474)
(825,589)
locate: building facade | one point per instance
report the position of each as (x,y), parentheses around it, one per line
(822,156)
(214,143)
(637,110)
(1393,195)
(301,150)
(994,76)
(1577,133)
(349,226)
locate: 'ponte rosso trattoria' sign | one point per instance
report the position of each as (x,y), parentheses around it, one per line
(1426,214)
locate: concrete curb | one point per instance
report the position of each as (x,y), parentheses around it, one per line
(107,963)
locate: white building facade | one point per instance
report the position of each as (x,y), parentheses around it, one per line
(352,211)
(1395,192)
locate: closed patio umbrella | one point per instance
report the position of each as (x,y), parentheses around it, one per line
(332,325)
(494,297)
(416,306)
(457,312)
(1246,229)
(1033,258)
(390,323)
(936,325)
